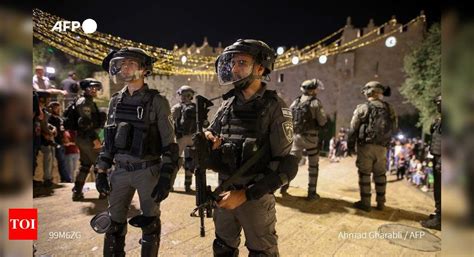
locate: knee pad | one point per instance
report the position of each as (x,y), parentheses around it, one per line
(103,223)
(149,225)
(221,249)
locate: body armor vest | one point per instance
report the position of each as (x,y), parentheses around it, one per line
(245,129)
(136,127)
(186,122)
(435,147)
(302,117)
(377,127)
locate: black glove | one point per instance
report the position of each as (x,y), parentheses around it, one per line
(102,183)
(162,188)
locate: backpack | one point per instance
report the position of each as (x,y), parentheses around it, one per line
(187,120)
(71,117)
(378,126)
(302,116)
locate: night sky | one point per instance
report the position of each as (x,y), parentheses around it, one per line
(286,23)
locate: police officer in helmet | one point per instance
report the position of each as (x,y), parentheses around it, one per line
(140,143)
(434,221)
(184,117)
(308,118)
(372,127)
(87,140)
(250,117)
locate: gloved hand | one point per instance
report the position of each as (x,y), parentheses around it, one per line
(163,187)
(102,183)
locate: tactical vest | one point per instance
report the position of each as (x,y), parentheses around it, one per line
(186,123)
(302,117)
(96,119)
(435,147)
(377,127)
(245,128)
(136,126)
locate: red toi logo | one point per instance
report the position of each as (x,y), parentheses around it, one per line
(23,224)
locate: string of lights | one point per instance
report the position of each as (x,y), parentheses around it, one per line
(94,47)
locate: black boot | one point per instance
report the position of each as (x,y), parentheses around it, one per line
(380,206)
(434,223)
(187,189)
(312,196)
(77,194)
(361,206)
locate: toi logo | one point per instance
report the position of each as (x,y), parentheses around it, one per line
(23,224)
(88,26)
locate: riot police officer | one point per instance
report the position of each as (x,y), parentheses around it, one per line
(89,121)
(372,127)
(140,142)
(308,118)
(250,118)
(434,222)
(184,117)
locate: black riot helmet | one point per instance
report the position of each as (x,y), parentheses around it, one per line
(185,88)
(115,60)
(311,84)
(261,53)
(90,82)
(377,87)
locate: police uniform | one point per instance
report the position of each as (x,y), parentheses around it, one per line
(308,116)
(245,120)
(140,143)
(184,138)
(246,125)
(371,147)
(435,149)
(89,124)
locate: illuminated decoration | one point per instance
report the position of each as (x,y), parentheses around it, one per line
(95,46)
(323,59)
(183,59)
(280,50)
(391,41)
(295,60)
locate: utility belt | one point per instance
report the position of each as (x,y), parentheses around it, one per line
(128,166)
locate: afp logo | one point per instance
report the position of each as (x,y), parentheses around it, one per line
(88,26)
(22,224)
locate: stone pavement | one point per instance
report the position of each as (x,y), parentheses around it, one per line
(327,227)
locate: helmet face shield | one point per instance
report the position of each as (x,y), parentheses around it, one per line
(234,67)
(125,69)
(187,94)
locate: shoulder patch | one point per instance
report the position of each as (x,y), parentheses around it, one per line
(286,113)
(288,130)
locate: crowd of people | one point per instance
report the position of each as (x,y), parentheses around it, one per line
(52,139)
(410,159)
(338,146)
